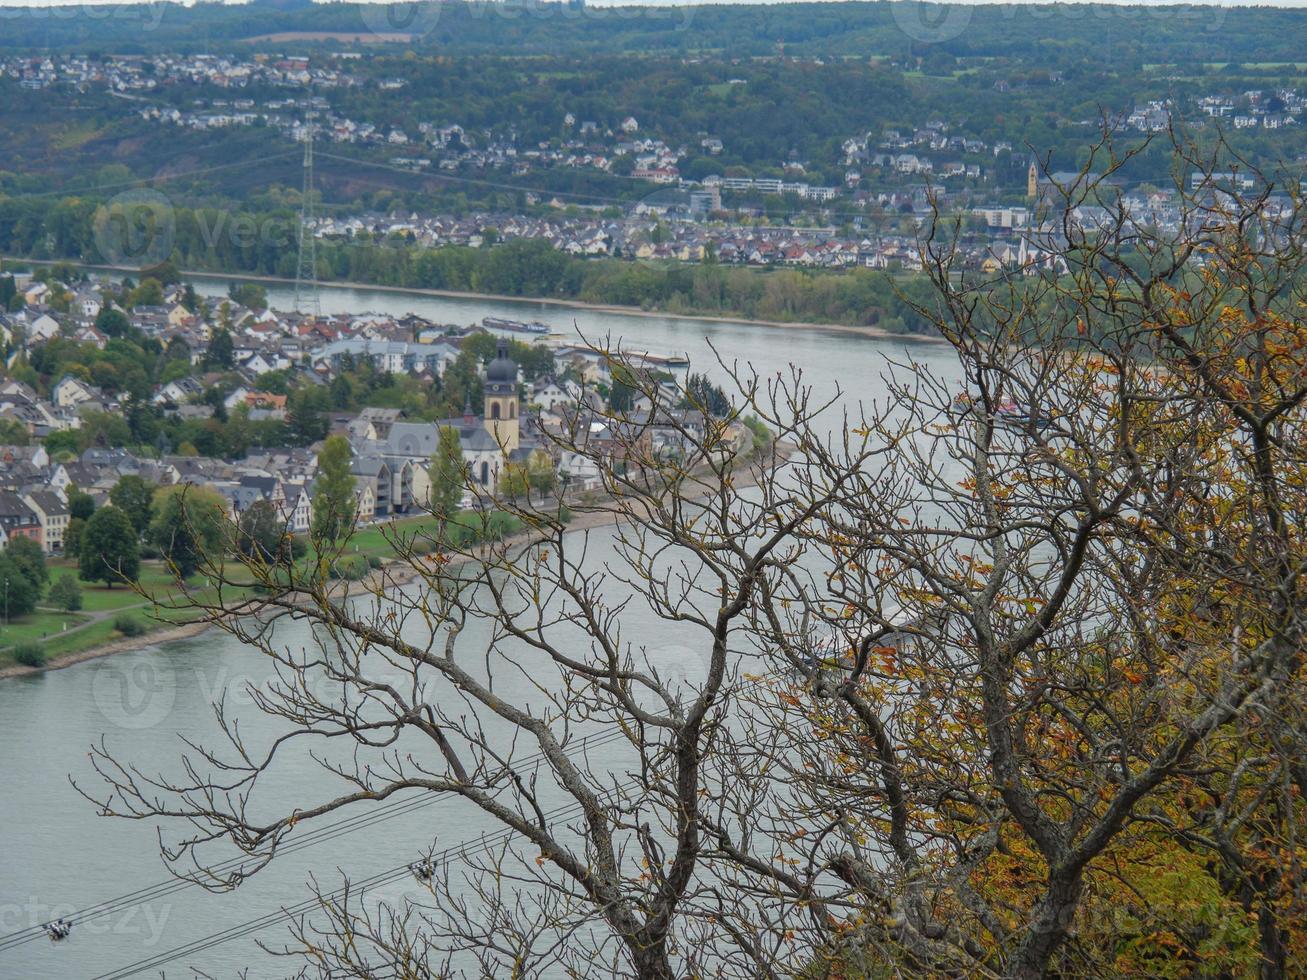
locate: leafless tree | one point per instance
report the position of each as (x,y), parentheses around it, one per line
(971,656)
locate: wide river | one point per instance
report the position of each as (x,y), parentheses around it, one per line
(58,856)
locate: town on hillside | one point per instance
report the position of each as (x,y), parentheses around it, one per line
(106,380)
(860,199)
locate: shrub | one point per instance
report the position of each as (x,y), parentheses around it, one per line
(354,569)
(128,625)
(374,561)
(499,526)
(30,654)
(351,568)
(762,436)
(66,593)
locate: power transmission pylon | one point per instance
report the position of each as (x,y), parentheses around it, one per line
(307,299)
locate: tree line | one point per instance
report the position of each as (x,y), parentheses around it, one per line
(518,267)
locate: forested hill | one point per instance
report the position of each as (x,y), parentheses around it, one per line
(1050,34)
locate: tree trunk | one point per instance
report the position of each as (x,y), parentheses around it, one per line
(651,962)
(1271,939)
(1048,927)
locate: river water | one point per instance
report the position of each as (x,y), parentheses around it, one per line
(57,855)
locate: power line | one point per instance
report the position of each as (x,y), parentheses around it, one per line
(323,834)
(307,296)
(320,835)
(142,181)
(479,182)
(303,908)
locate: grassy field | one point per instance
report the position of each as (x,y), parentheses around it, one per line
(98,597)
(102,606)
(101,603)
(374,541)
(57,646)
(38,626)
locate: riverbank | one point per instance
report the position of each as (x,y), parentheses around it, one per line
(848,328)
(393,574)
(860,330)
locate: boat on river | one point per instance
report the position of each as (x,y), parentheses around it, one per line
(515,326)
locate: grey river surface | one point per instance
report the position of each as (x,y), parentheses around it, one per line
(57,856)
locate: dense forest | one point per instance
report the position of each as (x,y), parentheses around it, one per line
(1105,32)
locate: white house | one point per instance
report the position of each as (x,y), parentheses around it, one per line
(397,357)
(549,393)
(178,392)
(70,392)
(237,397)
(592,365)
(53,515)
(88,302)
(42,328)
(259,364)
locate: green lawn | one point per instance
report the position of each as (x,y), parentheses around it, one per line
(38,626)
(46,626)
(374,541)
(59,643)
(96,598)
(56,646)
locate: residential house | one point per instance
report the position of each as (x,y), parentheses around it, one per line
(298,510)
(41,328)
(52,513)
(87,301)
(549,393)
(17,519)
(69,392)
(179,392)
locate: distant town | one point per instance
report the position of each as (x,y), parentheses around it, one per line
(228,364)
(887,182)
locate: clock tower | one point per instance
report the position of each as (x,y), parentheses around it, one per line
(502,403)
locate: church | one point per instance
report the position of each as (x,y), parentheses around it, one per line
(396,464)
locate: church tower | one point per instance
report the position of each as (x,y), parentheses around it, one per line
(1032,178)
(502,405)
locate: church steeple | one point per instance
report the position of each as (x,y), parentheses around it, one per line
(1032,178)
(502,403)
